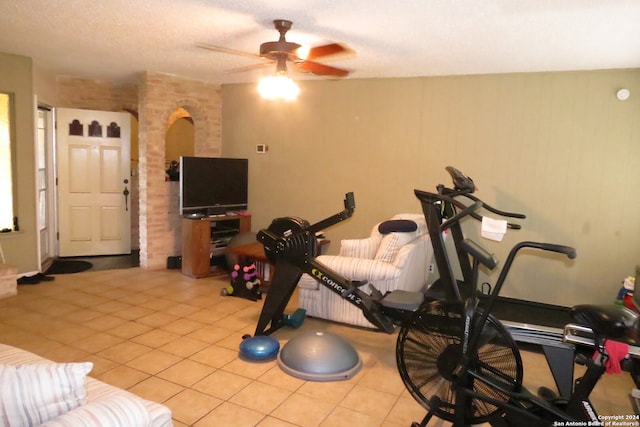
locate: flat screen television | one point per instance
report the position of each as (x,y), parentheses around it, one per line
(213,185)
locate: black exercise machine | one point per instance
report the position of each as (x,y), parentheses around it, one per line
(462,364)
(290,244)
(454,356)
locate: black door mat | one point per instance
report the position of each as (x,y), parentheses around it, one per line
(63,266)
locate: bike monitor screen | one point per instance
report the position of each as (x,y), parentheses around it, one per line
(461,181)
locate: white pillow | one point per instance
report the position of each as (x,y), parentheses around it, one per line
(391,244)
(32,394)
(113,411)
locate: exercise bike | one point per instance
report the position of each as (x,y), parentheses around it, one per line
(460,362)
(539,324)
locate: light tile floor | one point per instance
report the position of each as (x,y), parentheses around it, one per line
(174,340)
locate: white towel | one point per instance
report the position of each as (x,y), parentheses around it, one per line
(493,229)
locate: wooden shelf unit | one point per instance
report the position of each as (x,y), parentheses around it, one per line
(197,244)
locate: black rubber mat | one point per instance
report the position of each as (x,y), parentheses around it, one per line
(61,266)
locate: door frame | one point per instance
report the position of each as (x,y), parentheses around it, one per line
(51,192)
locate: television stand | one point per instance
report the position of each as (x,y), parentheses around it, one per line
(205,237)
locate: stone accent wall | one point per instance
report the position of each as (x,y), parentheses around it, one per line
(96,94)
(159,96)
(154,98)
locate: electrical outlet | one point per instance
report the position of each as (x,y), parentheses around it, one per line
(432,268)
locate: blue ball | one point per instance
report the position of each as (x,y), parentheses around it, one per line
(261,347)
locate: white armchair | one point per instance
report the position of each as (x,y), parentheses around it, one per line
(395,260)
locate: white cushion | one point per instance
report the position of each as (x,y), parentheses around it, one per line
(361,248)
(391,244)
(32,394)
(112,411)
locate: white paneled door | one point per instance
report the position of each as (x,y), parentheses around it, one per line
(94,204)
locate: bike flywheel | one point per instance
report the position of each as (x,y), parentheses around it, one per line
(429,352)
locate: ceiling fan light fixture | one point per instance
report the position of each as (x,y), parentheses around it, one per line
(303,52)
(278,86)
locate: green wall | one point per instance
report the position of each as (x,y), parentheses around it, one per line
(559,147)
(21,248)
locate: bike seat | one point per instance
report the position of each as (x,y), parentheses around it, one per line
(403,300)
(607,321)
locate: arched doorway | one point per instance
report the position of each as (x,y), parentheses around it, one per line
(179,141)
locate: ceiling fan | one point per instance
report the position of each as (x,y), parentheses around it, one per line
(281,52)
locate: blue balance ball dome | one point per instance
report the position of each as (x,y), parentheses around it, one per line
(319,356)
(261,347)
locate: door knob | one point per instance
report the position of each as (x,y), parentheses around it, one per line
(126,195)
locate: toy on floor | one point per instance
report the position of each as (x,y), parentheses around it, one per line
(625,294)
(245,283)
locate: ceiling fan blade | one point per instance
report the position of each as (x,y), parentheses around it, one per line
(312,53)
(320,69)
(226,50)
(250,67)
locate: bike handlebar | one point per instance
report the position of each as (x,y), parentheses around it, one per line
(466,210)
(562,249)
(349,207)
(269,238)
(496,211)
(566,250)
(463,186)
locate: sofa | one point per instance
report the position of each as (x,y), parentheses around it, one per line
(388,259)
(36,391)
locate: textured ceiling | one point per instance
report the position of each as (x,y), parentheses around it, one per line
(116,39)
